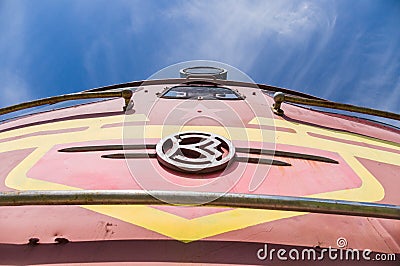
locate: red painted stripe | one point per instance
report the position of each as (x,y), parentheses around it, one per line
(8,161)
(44,132)
(266,127)
(120,124)
(352,142)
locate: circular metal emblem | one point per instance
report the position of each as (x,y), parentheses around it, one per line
(195,152)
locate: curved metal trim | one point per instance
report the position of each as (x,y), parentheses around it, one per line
(154,155)
(228,200)
(280,98)
(276,153)
(126,94)
(220,82)
(130,156)
(109,148)
(287,154)
(261,161)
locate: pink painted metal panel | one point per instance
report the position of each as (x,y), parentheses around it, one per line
(99,238)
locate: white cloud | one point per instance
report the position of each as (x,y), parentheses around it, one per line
(391,101)
(367,70)
(13,87)
(100,55)
(385,79)
(237,31)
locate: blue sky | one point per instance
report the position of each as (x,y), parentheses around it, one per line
(345,51)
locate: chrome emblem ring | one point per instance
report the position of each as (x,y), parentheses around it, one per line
(195,152)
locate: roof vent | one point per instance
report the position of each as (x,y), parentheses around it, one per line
(204,72)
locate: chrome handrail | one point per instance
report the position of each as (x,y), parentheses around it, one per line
(280,97)
(228,200)
(126,94)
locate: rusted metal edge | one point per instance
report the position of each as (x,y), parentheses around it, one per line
(126,94)
(228,200)
(279,98)
(219,81)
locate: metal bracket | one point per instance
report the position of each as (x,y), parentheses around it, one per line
(279,98)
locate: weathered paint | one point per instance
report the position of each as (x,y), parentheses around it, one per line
(354,144)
